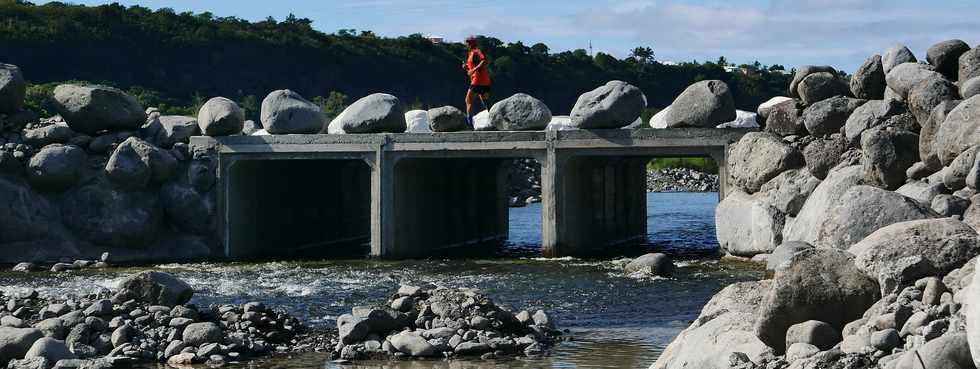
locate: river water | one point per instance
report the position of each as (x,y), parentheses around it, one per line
(615,320)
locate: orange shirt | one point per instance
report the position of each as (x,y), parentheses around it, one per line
(482,75)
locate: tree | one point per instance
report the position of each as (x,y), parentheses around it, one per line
(539,49)
(722,61)
(642,54)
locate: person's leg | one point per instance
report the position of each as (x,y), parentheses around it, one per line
(485,100)
(469,106)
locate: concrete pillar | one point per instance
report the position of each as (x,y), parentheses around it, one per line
(720,158)
(592,203)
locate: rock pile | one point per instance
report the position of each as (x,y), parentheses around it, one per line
(863,193)
(681,180)
(428,321)
(146,320)
(525,182)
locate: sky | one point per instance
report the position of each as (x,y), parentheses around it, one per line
(842,33)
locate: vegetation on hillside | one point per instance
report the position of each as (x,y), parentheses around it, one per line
(176,61)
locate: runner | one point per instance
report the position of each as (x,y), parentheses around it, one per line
(476,69)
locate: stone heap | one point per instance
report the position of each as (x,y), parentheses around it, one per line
(861,196)
(681,180)
(431,321)
(147,319)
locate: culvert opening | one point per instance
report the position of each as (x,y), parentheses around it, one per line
(682,194)
(299,208)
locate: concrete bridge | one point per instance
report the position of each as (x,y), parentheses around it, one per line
(413,194)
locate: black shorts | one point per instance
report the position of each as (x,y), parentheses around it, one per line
(480,89)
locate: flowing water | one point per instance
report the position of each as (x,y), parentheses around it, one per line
(615,320)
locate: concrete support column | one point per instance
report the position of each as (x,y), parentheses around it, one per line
(720,158)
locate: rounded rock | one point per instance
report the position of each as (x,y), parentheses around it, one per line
(520,112)
(94,108)
(613,105)
(945,56)
(703,104)
(56,167)
(286,112)
(220,116)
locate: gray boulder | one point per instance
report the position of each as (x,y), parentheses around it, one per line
(969,64)
(186,208)
(827,116)
(783,253)
(220,117)
(804,71)
(970,88)
(765,108)
(818,284)
(613,105)
(374,113)
(945,56)
(954,177)
(58,133)
(823,154)
(887,155)
(520,112)
(167,130)
(90,109)
(895,56)
(703,104)
(412,344)
(30,224)
(930,128)
(951,351)
(905,76)
(13,88)
(154,288)
(949,205)
(735,224)
(942,244)
(872,114)
(286,112)
(820,86)
(725,326)
(922,191)
(960,130)
(788,191)
(813,332)
(786,118)
(56,167)
(759,157)
(929,93)
(15,342)
(352,329)
(196,334)
(814,212)
(447,119)
(135,163)
(50,349)
(868,82)
(863,210)
(652,264)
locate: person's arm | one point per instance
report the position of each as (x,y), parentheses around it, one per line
(483,60)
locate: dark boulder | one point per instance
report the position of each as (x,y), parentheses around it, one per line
(135,163)
(56,167)
(13,88)
(945,56)
(868,82)
(887,155)
(94,108)
(895,56)
(447,119)
(827,116)
(104,215)
(786,118)
(823,154)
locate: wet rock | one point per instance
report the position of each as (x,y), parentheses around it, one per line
(868,82)
(154,288)
(613,105)
(472,348)
(56,167)
(286,112)
(447,119)
(220,116)
(759,157)
(93,108)
(703,104)
(520,112)
(652,264)
(827,116)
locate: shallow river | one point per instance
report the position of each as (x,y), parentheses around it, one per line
(615,320)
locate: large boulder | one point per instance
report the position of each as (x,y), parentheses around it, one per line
(789,190)
(921,191)
(15,342)
(13,88)
(783,254)
(929,93)
(154,288)
(969,64)
(872,114)
(766,108)
(930,128)
(56,167)
(863,210)
(815,211)
(886,155)
(959,132)
(613,105)
(905,76)
(411,344)
(827,116)
(759,157)
(375,113)
(50,349)
(823,154)
(58,133)
(954,177)
(166,130)
(703,104)
(945,56)
(725,326)
(928,247)
(135,163)
(286,112)
(417,121)
(820,86)
(30,225)
(90,109)
(105,215)
(970,88)
(186,209)
(868,82)
(818,284)
(786,118)
(747,225)
(804,71)
(221,117)
(895,56)
(447,119)
(520,112)
(951,351)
